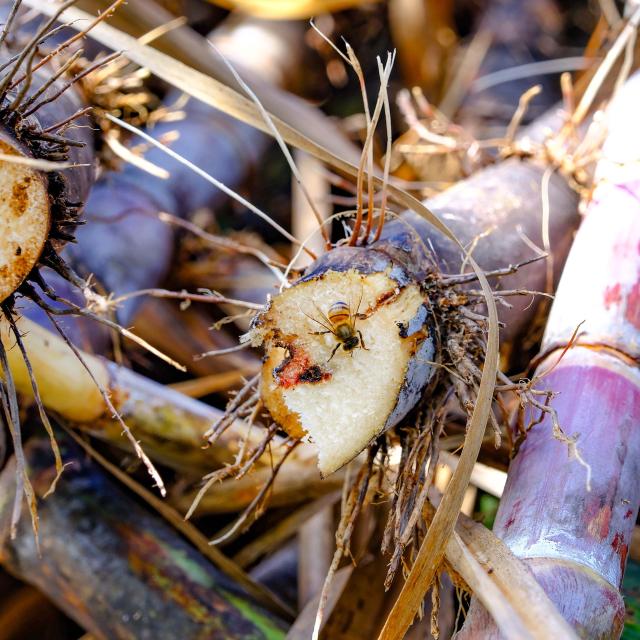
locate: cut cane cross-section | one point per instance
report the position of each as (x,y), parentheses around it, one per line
(24,219)
(345,401)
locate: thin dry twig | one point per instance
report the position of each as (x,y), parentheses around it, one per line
(257,504)
(38,400)
(5,83)
(351,506)
(78,36)
(386,73)
(24,489)
(223,242)
(209,297)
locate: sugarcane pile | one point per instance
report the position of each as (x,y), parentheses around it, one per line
(318,319)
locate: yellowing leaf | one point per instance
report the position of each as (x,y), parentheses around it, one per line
(289,9)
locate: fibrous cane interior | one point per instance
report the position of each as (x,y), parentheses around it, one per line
(343,402)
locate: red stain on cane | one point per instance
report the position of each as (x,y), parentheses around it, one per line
(515,512)
(612,296)
(632,311)
(599,521)
(297,368)
(620,548)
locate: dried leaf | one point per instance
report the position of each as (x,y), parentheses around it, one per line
(184,45)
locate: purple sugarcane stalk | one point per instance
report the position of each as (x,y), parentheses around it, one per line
(124,243)
(570,525)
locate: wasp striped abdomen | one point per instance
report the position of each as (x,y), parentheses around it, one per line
(342,324)
(339,317)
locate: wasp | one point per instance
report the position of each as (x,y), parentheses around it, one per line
(340,321)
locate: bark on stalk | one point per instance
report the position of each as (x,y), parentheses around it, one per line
(497,208)
(117,570)
(573,536)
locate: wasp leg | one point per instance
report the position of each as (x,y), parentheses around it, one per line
(319,333)
(362,340)
(333,353)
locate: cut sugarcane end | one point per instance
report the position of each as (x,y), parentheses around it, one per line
(24,220)
(342,403)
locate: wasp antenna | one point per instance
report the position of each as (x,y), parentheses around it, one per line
(328,328)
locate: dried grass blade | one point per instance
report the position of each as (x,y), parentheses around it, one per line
(517,584)
(36,163)
(38,400)
(124,153)
(186,45)
(232,194)
(432,550)
(153,472)
(283,147)
(505,616)
(24,489)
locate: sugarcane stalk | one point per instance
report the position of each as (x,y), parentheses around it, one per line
(382,284)
(504,202)
(114,568)
(260,594)
(572,497)
(296,482)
